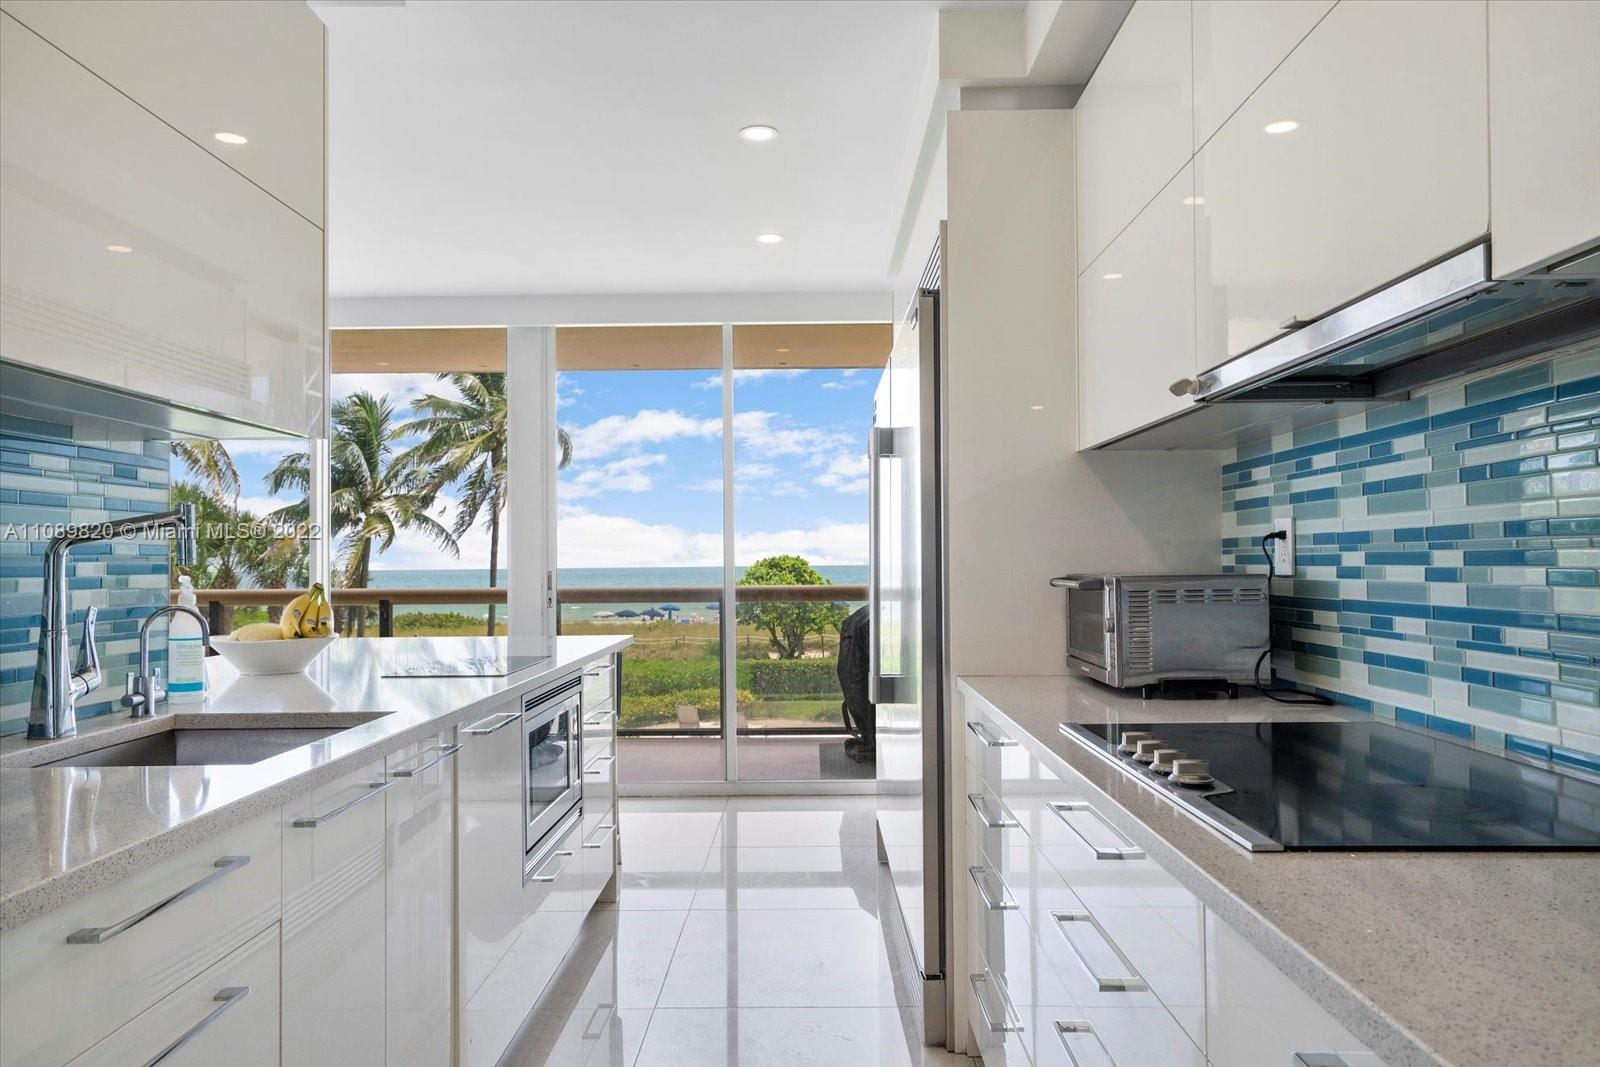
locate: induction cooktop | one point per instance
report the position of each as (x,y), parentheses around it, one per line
(1351,786)
(463,667)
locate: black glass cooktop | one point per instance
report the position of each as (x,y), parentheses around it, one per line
(1367,785)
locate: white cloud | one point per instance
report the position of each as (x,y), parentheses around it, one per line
(845,473)
(845,383)
(766,433)
(748,478)
(617,433)
(830,543)
(587,539)
(401,389)
(712,381)
(630,474)
(415,551)
(270,449)
(566,392)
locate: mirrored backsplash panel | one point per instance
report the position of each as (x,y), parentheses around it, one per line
(1447,554)
(51,475)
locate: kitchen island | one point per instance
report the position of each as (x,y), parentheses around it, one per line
(1465,958)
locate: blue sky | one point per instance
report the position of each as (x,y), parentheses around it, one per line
(644,487)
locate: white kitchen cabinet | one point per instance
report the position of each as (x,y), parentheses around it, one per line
(131,257)
(1134,122)
(261,65)
(1136,319)
(88,954)
(1237,43)
(334,923)
(1256,1016)
(1544,131)
(420,882)
(228,1013)
(1363,157)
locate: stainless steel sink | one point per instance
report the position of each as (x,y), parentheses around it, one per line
(185,748)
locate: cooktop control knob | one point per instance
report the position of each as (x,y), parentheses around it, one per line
(1162,763)
(1196,772)
(1145,751)
(1131,738)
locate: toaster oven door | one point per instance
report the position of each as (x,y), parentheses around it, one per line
(1087,618)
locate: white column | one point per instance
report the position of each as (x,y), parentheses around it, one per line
(529,551)
(730,636)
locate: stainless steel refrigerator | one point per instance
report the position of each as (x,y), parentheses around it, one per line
(906,682)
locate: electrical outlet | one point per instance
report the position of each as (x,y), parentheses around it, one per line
(1283,548)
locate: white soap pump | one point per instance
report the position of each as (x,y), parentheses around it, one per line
(186,650)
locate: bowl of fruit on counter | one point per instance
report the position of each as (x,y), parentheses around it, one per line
(301,634)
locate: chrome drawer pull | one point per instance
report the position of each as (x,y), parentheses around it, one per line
(565,853)
(445,752)
(95,935)
(1009,1023)
(984,805)
(311,822)
(599,718)
(599,832)
(991,901)
(1070,1032)
(478,729)
(1129,851)
(225,1000)
(1132,982)
(595,770)
(988,737)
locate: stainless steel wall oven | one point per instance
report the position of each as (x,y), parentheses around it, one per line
(552,762)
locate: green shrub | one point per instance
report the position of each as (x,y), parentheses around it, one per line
(654,708)
(652,677)
(793,677)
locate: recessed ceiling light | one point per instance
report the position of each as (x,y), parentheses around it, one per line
(770,238)
(783,350)
(1037,407)
(759,133)
(383,363)
(121,249)
(1194,201)
(1281,126)
(230,138)
(1113,276)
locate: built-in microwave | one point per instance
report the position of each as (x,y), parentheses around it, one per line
(552,762)
(1132,630)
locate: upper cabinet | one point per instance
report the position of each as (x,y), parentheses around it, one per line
(1361,158)
(1237,43)
(1544,126)
(132,257)
(251,70)
(1134,123)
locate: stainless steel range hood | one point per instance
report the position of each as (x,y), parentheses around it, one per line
(1446,320)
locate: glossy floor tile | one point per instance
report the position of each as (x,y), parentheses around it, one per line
(745,931)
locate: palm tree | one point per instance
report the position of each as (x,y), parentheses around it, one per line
(375,492)
(209,462)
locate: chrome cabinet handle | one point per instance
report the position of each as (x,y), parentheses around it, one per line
(599,831)
(1185,387)
(1132,982)
(985,806)
(599,718)
(506,718)
(1130,851)
(565,853)
(594,771)
(311,822)
(991,901)
(988,737)
(94,935)
(1078,581)
(225,1000)
(1070,1031)
(445,752)
(1009,1023)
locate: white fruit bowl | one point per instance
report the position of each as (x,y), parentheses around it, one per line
(289,656)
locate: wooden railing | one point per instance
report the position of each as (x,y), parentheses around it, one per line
(215,600)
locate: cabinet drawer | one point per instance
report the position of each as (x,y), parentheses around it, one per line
(599,776)
(599,726)
(228,1013)
(117,951)
(998,760)
(599,686)
(599,853)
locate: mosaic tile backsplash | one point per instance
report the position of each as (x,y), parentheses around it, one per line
(1447,554)
(49,476)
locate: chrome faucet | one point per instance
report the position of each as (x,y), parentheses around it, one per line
(57,687)
(145,690)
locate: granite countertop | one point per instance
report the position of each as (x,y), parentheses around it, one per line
(1469,959)
(65,831)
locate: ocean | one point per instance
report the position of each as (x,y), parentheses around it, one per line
(575,578)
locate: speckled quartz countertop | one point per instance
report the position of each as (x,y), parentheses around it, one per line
(65,831)
(1471,959)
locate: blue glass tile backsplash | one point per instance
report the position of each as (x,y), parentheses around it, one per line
(1447,556)
(50,475)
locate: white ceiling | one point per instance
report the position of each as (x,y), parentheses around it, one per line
(591,147)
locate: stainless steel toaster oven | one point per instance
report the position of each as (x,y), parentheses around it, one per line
(1130,630)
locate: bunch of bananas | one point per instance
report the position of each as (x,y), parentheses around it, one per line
(308,615)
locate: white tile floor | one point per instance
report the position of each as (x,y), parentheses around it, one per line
(746,931)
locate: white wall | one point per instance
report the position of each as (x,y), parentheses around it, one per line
(1023,505)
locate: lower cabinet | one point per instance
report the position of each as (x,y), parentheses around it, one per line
(226,1014)
(420,895)
(334,922)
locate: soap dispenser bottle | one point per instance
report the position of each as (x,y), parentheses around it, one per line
(186,651)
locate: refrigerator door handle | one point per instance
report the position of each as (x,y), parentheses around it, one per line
(881,445)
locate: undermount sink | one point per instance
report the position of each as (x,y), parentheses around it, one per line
(186,748)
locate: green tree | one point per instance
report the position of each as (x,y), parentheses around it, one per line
(375,492)
(788,624)
(210,462)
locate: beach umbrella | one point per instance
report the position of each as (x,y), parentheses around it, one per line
(652,614)
(670,610)
(627,613)
(605,615)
